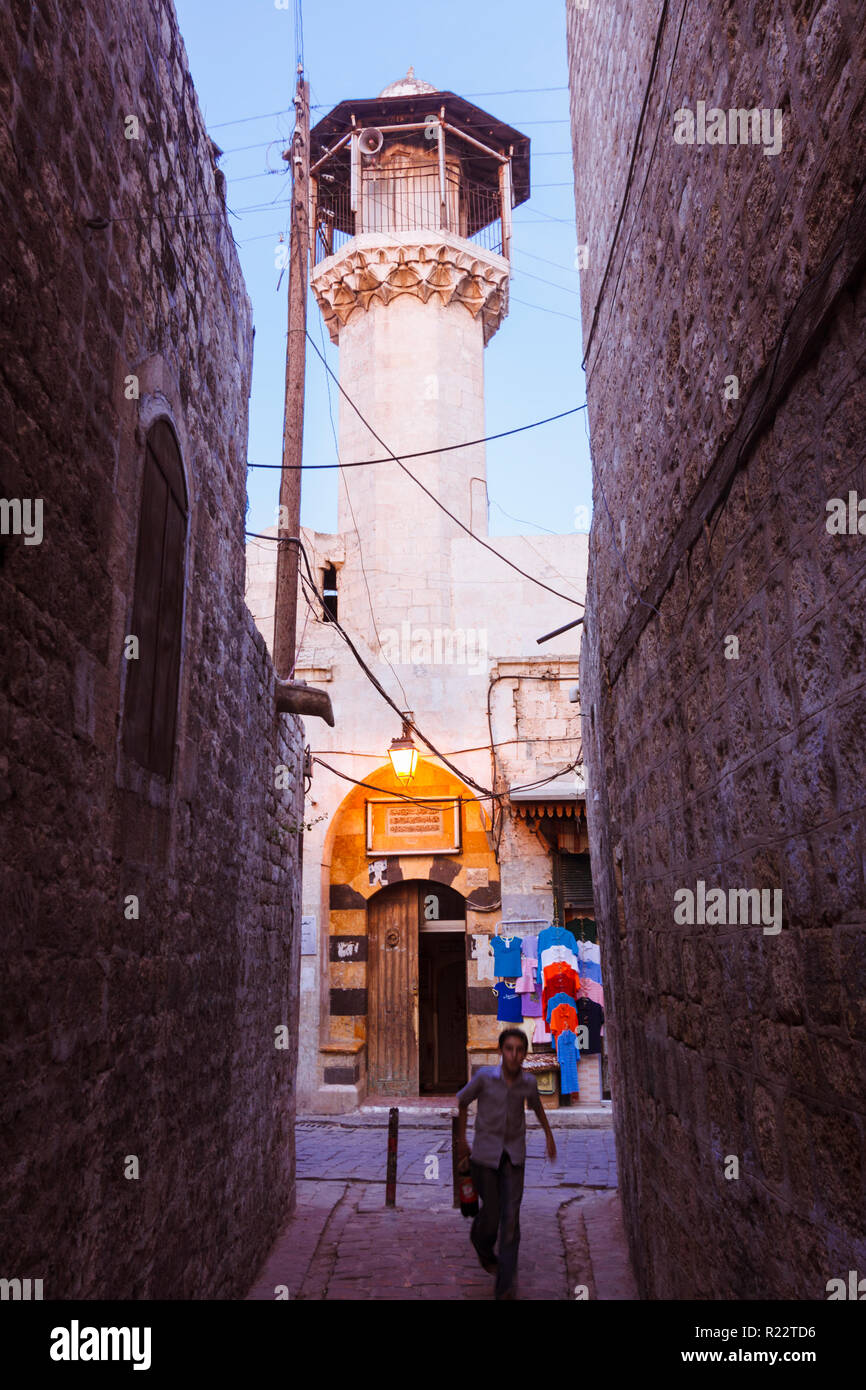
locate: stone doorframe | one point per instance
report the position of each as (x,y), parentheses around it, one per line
(350,878)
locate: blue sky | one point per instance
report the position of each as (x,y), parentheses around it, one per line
(242,58)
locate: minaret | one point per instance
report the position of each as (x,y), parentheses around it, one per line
(412,197)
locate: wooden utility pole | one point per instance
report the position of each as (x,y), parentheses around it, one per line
(288,555)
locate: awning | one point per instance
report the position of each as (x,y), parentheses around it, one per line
(560,797)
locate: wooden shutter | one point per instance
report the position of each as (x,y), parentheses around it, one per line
(150,709)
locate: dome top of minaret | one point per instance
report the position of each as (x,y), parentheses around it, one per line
(408,86)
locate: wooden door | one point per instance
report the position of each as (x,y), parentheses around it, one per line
(393,918)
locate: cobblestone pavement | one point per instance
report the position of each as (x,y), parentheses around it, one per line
(342,1243)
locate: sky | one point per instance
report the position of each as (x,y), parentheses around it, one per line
(242,55)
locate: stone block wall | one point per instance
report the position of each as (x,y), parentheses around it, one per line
(741,763)
(149,1037)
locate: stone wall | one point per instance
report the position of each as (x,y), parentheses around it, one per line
(151,1037)
(741,770)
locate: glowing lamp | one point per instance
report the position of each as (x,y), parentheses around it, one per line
(404,757)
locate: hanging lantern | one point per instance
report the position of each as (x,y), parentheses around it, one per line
(404,756)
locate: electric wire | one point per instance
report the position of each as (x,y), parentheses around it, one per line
(455,752)
(410,722)
(630,174)
(533,580)
(323,105)
(425,453)
(355,522)
(374,679)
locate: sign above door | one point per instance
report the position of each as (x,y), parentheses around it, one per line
(418,827)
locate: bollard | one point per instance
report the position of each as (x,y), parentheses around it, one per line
(391,1171)
(455,1176)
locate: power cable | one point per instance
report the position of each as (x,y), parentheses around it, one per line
(424,453)
(386,791)
(244,120)
(366,669)
(631,167)
(563,289)
(624,257)
(558,264)
(558,313)
(511,92)
(299,35)
(454,752)
(522,520)
(410,723)
(531,577)
(355,522)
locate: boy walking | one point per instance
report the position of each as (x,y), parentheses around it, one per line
(498,1153)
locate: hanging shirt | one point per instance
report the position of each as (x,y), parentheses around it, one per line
(528,967)
(560,967)
(563,1017)
(561,982)
(555,999)
(566,1056)
(541,1034)
(510,1010)
(591,1016)
(506,956)
(482,953)
(590,990)
(590,960)
(532,1007)
(556,943)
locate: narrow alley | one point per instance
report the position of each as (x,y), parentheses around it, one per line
(432,679)
(343,1243)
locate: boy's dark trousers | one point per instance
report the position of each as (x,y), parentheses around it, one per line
(500,1191)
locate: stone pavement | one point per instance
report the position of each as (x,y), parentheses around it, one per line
(342,1242)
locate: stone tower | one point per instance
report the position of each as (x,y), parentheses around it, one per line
(413,193)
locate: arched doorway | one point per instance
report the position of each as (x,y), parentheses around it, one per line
(417,1012)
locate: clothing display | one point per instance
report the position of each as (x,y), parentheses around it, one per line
(589,989)
(482,953)
(556,944)
(541,1034)
(563,1017)
(506,956)
(591,1016)
(510,1009)
(566,1056)
(532,1007)
(564,955)
(589,955)
(528,967)
(558,978)
(560,998)
(559,981)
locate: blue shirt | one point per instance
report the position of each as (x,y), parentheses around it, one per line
(510,1003)
(506,956)
(566,1056)
(559,999)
